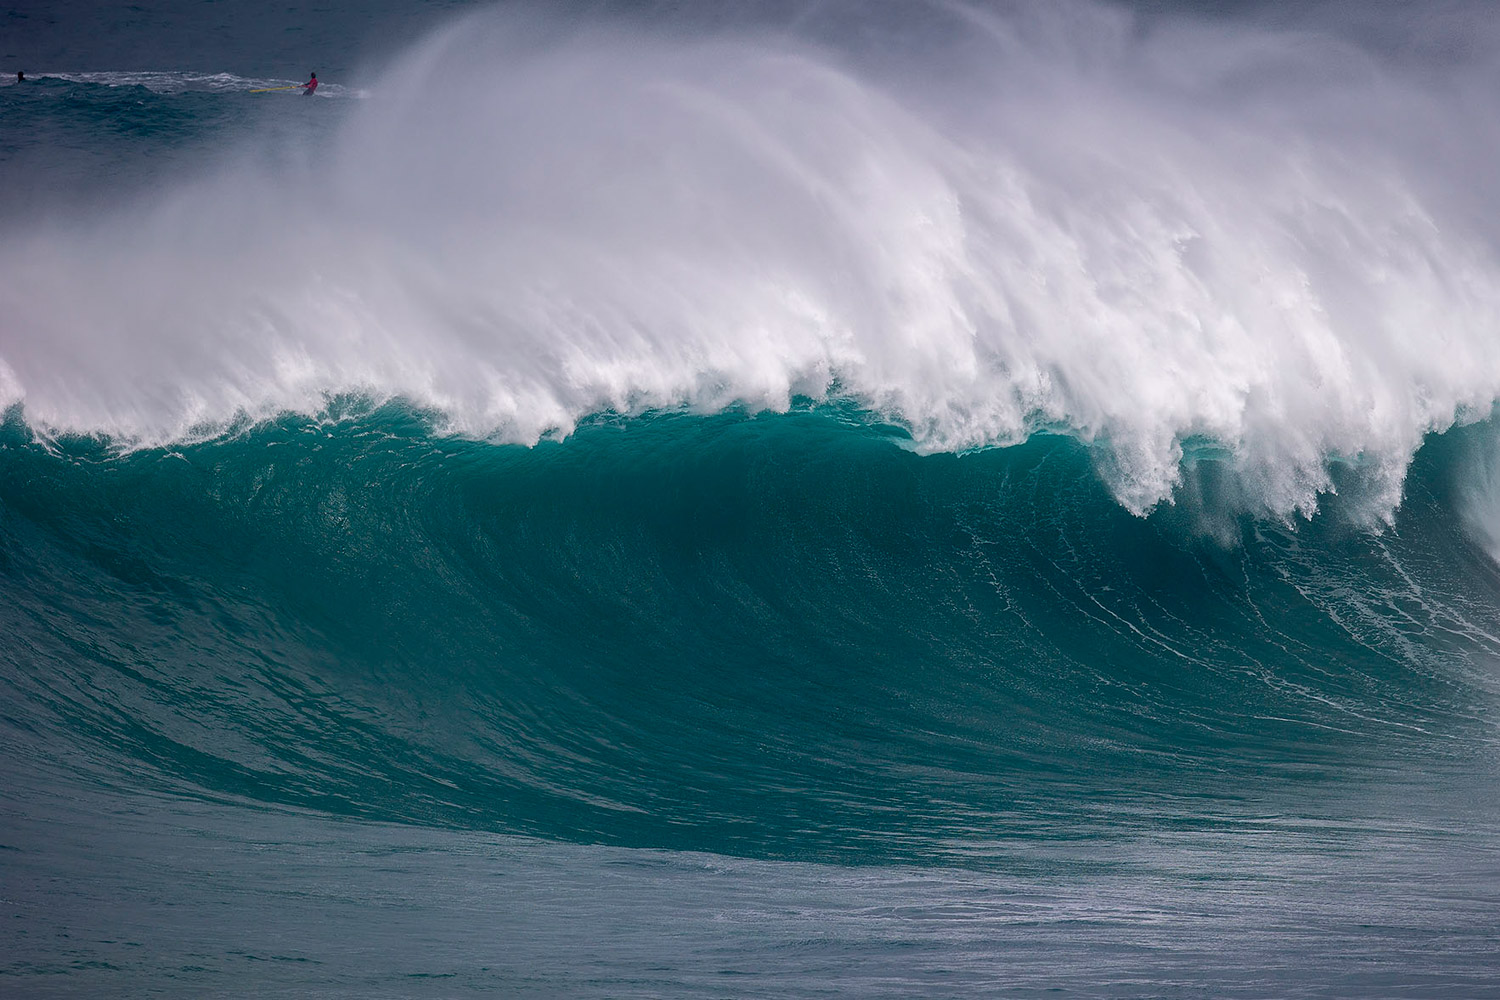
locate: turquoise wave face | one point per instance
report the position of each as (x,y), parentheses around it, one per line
(782,636)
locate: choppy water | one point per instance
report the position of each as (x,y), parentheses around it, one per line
(919,500)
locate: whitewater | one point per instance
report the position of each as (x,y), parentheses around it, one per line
(668,500)
(1046,217)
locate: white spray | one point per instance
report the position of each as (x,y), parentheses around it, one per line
(1143,233)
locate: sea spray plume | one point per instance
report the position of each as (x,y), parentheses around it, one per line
(1143,232)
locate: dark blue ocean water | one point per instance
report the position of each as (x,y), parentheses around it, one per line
(655,501)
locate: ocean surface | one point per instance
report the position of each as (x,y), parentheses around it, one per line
(779,500)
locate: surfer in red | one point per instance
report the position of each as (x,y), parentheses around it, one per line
(310,85)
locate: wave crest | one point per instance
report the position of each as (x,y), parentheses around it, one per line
(1145,233)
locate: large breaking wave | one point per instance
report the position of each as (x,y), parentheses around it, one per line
(733,437)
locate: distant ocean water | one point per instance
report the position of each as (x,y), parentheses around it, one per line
(647,501)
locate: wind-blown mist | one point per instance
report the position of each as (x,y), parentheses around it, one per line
(1151,234)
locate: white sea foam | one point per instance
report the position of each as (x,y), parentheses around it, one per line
(177,82)
(1061,216)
